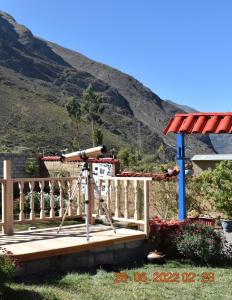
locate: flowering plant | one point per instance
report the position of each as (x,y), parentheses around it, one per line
(163,233)
(199,242)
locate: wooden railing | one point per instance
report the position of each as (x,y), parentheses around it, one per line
(127,198)
(32,200)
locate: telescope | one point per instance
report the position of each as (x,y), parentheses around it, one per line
(83,154)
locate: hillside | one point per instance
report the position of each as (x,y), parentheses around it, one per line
(37,77)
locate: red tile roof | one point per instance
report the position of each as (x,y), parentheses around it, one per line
(92,160)
(154,176)
(50,158)
(200,123)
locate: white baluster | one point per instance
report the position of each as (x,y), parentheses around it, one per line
(61,198)
(21,201)
(32,204)
(42,209)
(116,199)
(136,213)
(108,193)
(52,211)
(126,214)
(146,207)
(98,197)
(69,183)
(79,198)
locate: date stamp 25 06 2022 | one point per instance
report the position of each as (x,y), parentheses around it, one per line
(166,277)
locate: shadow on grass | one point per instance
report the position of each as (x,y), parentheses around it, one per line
(6,293)
(54,277)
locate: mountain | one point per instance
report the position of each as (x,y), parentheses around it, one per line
(36,79)
(222,143)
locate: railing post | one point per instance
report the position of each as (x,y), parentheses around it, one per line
(136,212)
(91,194)
(146,207)
(116,199)
(126,213)
(7,199)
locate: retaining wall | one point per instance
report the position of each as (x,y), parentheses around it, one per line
(117,254)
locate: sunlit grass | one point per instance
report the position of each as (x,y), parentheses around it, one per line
(101,285)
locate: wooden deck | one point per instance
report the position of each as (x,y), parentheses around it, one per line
(39,244)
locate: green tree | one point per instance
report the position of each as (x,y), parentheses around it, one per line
(221,187)
(91,110)
(123,156)
(127,157)
(97,136)
(74,111)
(215,186)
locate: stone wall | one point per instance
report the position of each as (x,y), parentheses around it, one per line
(18,164)
(59,169)
(123,253)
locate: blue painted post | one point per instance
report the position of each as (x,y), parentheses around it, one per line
(181,177)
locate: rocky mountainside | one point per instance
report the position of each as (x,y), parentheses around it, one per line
(36,79)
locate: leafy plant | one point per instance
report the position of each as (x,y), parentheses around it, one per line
(31,166)
(163,234)
(97,136)
(127,158)
(7,267)
(37,199)
(74,111)
(217,187)
(91,109)
(199,242)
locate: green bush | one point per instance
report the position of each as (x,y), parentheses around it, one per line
(199,243)
(7,267)
(37,197)
(31,166)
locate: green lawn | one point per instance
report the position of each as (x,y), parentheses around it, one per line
(100,285)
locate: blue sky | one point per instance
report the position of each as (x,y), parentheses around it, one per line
(181,49)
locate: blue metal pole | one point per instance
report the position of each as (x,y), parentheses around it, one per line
(181,177)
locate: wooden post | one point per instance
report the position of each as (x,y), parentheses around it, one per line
(79,198)
(116,199)
(108,196)
(42,208)
(146,207)
(7,199)
(99,205)
(61,198)
(136,213)
(126,214)
(91,194)
(69,184)
(21,201)
(32,201)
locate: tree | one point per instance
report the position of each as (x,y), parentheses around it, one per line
(91,110)
(97,137)
(74,111)
(127,157)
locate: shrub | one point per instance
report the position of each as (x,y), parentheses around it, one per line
(31,166)
(163,234)
(37,203)
(7,267)
(199,242)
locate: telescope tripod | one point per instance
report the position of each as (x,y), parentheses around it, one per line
(86,174)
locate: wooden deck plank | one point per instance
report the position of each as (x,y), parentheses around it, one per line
(46,243)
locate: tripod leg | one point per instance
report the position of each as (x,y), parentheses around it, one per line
(108,215)
(64,216)
(67,208)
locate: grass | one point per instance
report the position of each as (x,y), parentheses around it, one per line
(100,285)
